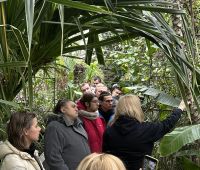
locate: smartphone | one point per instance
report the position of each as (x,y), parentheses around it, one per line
(150,163)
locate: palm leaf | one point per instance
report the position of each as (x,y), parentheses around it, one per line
(13,65)
(29,12)
(168,100)
(9,103)
(82,6)
(89,51)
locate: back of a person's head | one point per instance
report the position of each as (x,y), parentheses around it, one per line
(87,97)
(101,161)
(129,105)
(61,103)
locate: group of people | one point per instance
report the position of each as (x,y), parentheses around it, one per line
(97,132)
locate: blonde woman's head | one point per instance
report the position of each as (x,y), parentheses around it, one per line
(129,105)
(101,161)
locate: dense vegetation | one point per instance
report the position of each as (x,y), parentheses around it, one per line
(149,47)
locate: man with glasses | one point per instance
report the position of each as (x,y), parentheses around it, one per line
(106,107)
(93,124)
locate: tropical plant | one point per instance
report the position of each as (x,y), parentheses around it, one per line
(52,28)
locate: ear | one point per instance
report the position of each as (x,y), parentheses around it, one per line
(62,109)
(25,131)
(86,103)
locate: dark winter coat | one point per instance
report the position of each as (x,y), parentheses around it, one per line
(130,140)
(107,116)
(66,143)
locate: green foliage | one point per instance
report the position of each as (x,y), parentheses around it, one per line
(188,164)
(179,137)
(91,71)
(158,95)
(58,27)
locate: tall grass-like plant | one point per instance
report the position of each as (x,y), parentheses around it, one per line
(34,33)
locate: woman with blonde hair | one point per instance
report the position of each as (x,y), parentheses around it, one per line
(130,138)
(101,161)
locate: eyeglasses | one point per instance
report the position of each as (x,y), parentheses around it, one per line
(108,101)
(95,101)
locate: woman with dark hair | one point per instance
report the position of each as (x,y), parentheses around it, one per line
(93,124)
(66,142)
(18,152)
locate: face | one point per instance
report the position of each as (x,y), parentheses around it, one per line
(100,89)
(85,88)
(107,103)
(96,82)
(70,109)
(116,93)
(32,134)
(94,105)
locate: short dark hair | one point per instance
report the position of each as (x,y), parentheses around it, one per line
(15,128)
(97,78)
(115,86)
(103,94)
(87,97)
(61,103)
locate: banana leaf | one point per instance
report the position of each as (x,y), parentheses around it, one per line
(179,137)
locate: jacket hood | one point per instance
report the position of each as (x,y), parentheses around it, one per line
(124,125)
(54,117)
(62,119)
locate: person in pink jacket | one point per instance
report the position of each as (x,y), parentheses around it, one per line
(93,124)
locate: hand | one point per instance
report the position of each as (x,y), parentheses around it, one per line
(182,105)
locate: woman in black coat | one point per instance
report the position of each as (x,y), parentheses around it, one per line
(130,138)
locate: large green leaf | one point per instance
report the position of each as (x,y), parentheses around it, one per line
(14,64)
(29,12)
(179,137)
(159,96)
(89,51)
(187,164)
(168,100)
(82,6)
(9,103)
(152,92)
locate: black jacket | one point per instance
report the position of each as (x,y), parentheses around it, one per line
(130,140)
